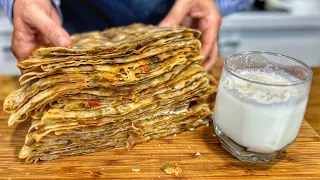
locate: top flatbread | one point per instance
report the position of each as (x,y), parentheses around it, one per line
(125,39)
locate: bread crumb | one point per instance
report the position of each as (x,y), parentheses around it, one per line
(175,134)
(189,147)
(159,177)
(207,124)
(135,170)
(214,135)
(102,169)
(191,129)
(94,174)
(169,169)
(159,145)
(27,174)
(198,154)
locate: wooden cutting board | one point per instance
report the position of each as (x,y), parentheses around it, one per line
(301,160)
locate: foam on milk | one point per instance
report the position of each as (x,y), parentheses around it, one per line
(262,118)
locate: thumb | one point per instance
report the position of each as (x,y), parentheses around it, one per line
(177,13)
(49,29)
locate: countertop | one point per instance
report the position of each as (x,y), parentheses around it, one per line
(270,20)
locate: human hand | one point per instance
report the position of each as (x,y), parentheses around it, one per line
(36,23)
(202,15)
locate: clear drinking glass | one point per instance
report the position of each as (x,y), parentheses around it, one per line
(260,104)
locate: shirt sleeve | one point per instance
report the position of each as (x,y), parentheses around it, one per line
(227,7)
(56,4)
(7,5)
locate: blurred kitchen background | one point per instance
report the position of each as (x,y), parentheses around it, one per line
(290,27)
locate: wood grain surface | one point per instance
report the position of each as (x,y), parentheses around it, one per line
(313,107)
(299,161)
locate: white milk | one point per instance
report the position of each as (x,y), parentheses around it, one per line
(261,118)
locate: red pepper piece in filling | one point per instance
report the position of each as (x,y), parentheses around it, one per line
(94,103)
(145,68)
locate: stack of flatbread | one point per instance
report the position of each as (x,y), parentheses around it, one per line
(111,89)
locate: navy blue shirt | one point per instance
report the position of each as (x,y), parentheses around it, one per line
(89,15)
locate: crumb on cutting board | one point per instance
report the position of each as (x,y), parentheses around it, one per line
(135,170)
(170,169)
(94,174)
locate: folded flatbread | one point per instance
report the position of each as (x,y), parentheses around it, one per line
(109,89)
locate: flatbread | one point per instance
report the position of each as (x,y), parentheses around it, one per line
(72,144)
(109,89)
(170,79)
(123,71)
(121,39)
(34,62)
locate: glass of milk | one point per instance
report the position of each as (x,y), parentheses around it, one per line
(260,105)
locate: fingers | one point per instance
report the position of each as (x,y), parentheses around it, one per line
(212,59)
(41,40)
(55,16)
(36,23)
(187,22)
(208,37)
(48,27)
(23,71)
(201,14)
(22,49)
(177,13)
(23,40)
(210,25)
